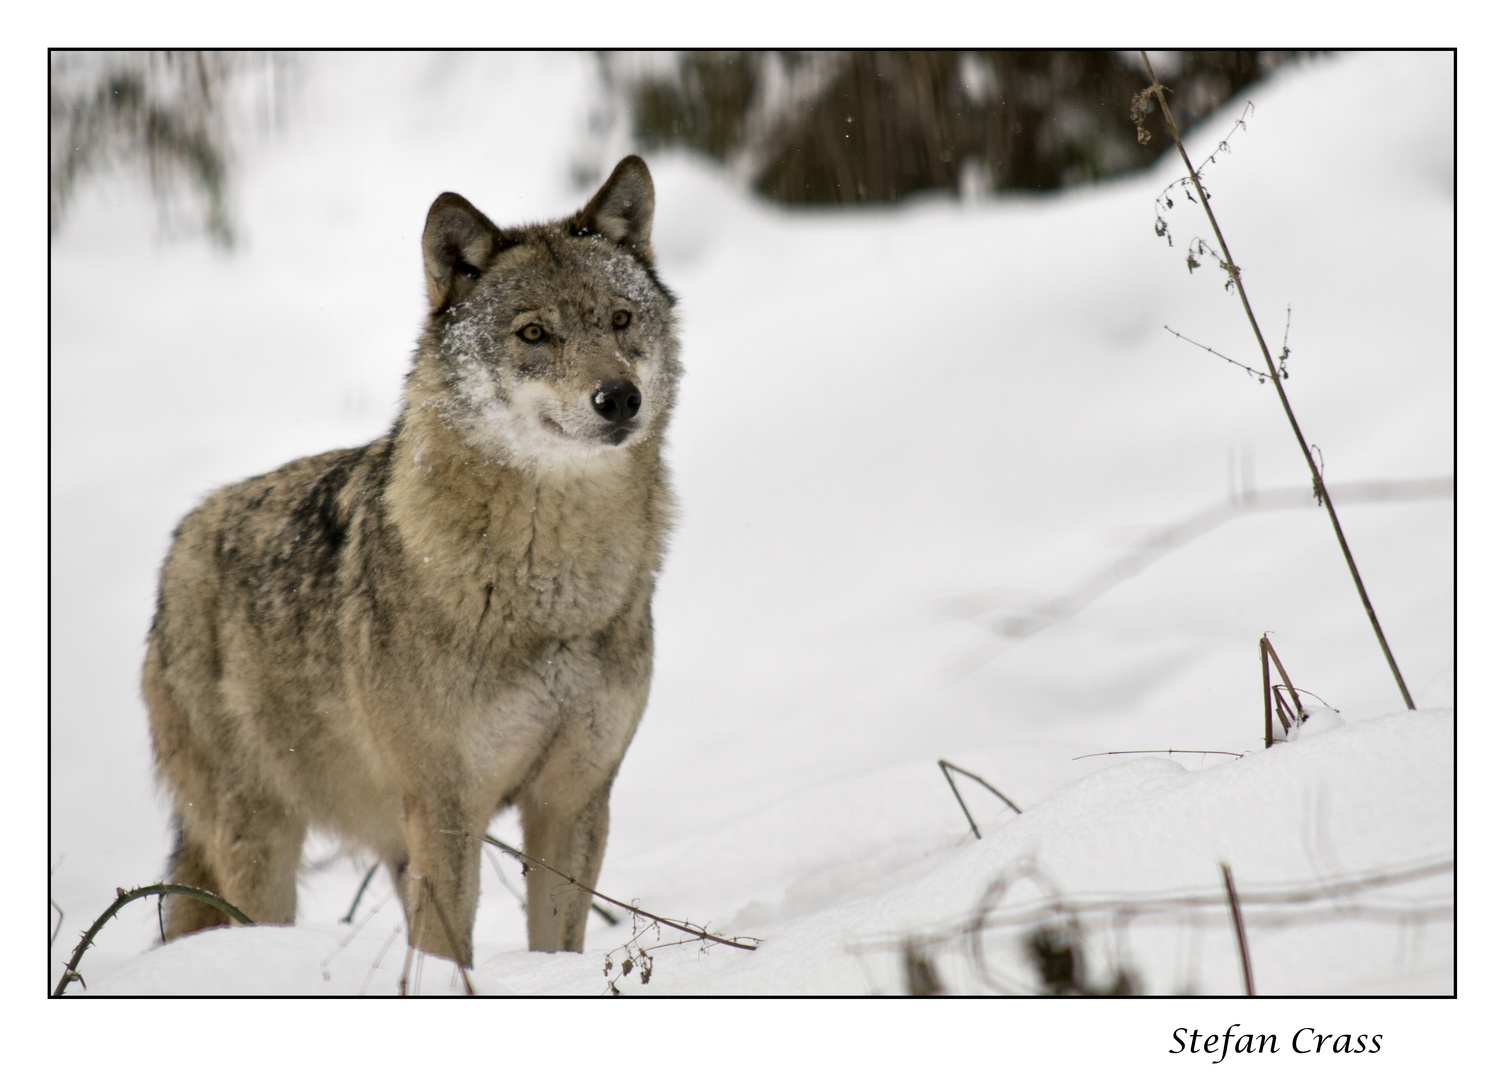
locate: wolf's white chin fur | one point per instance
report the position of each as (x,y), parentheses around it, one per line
(529,432)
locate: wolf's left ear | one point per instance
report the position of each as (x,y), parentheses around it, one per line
(459,242)
(622,211)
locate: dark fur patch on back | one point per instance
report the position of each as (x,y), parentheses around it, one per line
(317,517)
(298,571)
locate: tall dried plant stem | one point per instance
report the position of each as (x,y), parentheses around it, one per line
(1317,485)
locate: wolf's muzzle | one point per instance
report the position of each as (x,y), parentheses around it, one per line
(618,401)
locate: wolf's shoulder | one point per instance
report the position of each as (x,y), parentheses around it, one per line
(315,494)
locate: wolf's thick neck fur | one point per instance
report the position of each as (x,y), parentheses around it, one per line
(520,542)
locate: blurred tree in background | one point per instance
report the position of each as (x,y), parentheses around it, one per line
(830,127)
(172,116)
(799,127)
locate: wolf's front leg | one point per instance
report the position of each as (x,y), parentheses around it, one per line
(443,875)
(564,802)
(569,838)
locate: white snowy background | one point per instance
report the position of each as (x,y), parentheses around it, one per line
(898,427)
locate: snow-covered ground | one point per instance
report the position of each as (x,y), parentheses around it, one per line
(898,428)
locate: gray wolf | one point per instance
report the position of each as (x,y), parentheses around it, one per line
(394,642)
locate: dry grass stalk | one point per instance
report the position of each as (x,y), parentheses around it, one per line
(1238,927)
(1290,715)
(1235,277)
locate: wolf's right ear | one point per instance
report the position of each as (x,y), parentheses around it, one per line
(622,211)
(459,243)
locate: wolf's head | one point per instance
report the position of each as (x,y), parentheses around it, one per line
(548,345)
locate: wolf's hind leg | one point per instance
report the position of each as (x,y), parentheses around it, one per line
(190,866)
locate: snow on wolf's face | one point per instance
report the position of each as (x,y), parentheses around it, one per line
(563,354)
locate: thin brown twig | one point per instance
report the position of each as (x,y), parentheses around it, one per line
(611,920)
(1314,694)
(749,944)
(1238,927)
(1260,375)
(1264,666)
(1285,343)
(1222,147)
(1317,485)
(1109,753)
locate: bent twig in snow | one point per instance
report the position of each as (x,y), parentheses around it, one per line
(122,898)
(947,769)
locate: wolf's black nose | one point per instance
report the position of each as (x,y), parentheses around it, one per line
(618,401)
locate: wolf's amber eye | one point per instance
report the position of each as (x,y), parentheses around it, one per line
(620,319)
(532,333)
